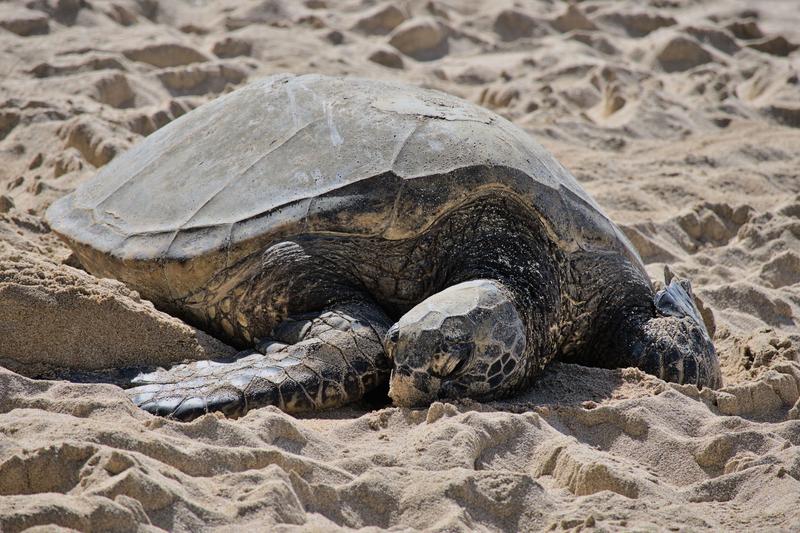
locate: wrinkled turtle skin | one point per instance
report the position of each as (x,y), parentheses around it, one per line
(344,232)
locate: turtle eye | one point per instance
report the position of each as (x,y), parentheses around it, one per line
(447,366)
(450,364)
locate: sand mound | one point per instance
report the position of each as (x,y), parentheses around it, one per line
(680,118)
(424,39)
(55,316)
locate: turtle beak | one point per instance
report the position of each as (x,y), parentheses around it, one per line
(410,388)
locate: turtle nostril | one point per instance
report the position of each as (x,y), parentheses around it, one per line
(393,334)
(390,340)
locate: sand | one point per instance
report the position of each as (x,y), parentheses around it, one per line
(681,118)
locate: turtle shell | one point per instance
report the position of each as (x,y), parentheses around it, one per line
(290,155)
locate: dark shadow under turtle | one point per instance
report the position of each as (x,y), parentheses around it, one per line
(346,232)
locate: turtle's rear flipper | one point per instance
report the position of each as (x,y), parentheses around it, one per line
(315,361)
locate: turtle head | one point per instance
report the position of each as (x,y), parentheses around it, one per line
(465,341)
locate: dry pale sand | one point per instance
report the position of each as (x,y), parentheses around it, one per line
(681,117)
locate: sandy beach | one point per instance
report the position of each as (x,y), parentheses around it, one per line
(680,117)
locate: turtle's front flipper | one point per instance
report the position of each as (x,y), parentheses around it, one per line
(680,349)
(675,344)
(314,361)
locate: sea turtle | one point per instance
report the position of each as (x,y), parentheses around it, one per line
(344,233)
